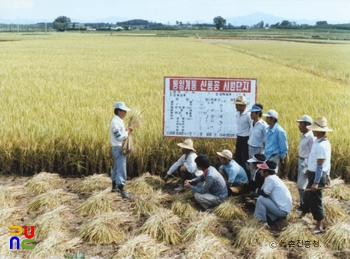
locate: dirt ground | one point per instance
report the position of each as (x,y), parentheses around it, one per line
(94,251)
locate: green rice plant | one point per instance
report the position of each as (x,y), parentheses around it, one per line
(10,195)
(202,223)
(105,228)
(142,246)
(229,210)
(100,202)
(333,210)
(51,200)
(96,182)
(163,225)
(337,237)
(43,182)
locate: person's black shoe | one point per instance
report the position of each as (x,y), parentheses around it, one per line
(125,195)
(114,187)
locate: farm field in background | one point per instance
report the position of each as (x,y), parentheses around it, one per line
(57,93)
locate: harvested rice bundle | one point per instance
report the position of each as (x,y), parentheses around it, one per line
(155,181)
(296,231)
(207,247)
(145,184)
(54,245)
(9,195)
(105,228)
(316,253)
(43,182)
(339,191)
(265,251)
(203,226)
(53,221)
(142,246)
(51,199)
(95,182)
(230,209)
(292,187)
(333,210)
(101,202)
(134,120)
(252,232)
(338,236)
(148,203)
(181,205)
(11,216)
(163,225)
(4,242)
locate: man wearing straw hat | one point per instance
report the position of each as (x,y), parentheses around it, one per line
(118,134)
(276,139)
(244,124)
(319,168)
(305,145)
(185,165)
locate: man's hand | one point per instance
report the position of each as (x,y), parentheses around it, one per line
(314,187)
(187,183)
(130,129)
(328,180)
(166,177)
(243,183)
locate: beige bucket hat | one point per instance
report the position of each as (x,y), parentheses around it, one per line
(320,124)
(225,153)
(241,100)
(187,144)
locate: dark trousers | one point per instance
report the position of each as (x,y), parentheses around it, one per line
(313,200)
(241,154)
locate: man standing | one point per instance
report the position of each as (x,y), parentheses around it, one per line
(244,124)
(185,165)
(305,145)
(257,136)
(118,134)
(319,168)
(276,140)
(214,191)
(232,172)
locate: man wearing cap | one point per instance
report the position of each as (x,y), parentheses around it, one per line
(276,140)
(232,172)
(274,198)
(305,145)
(244,124)
(214,191)
(319,168)
(186,165)
(257,136)
(118,134)
(257,180)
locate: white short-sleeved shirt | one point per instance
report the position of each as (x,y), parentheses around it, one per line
(257,136)
(321,149)
(117,125)
(305,144)
(244,123)
(187,162)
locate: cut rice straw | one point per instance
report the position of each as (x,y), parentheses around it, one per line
(202,224)
(337,237)
(11,216)
(134,120)
(43,182)
(10,195)
(142,246)
(147,203)
(333,210)
(296,231)
(339,191)
(145,184)
(230,210)
(96,182)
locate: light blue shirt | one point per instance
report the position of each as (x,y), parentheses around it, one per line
(276,142)
(235,173)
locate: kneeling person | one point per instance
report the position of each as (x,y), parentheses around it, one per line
(232,172)
(214,191)
(275,199)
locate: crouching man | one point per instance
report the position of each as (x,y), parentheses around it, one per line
(214,190)
(274,198)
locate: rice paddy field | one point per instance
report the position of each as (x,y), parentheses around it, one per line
(57,93)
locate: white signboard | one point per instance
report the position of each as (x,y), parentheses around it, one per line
(202,107)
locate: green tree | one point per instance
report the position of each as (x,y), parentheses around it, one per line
(219,22)
(61,23)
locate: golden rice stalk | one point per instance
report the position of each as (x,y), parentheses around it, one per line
(43,182)
(163,225)
(182,208)
(265,251)
(207,247)
(9,195)
(148,203)
(96,182)
(202,224)
(4,241)
(296,231)
(339,190)
(316,253)
(54,245)
(105,228)
(333,210)
(11,216)
(229,210)
(292,187)
(252,232)
(142,246)
(53,221)
(337,237)
(101,202)
(134,120)
(155,181)
(145,184)
(51,199)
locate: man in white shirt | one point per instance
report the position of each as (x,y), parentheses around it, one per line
(244,124)
(118,134)
(319,169)
(305,145)
(185,165)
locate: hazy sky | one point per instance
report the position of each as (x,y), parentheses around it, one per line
(165,11)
